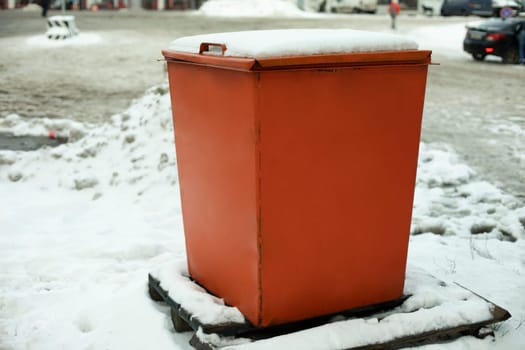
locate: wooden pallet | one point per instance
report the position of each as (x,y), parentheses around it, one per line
(184,321)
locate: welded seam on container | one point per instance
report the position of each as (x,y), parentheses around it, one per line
(258,146)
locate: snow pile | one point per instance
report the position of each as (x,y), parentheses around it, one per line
(445,39)
(250,8)
(41,126)
(449,200)
(290,42)
(137,148)
(32,8)
(81,227)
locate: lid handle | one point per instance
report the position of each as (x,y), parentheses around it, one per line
(212,48)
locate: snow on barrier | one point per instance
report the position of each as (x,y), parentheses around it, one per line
(61,27)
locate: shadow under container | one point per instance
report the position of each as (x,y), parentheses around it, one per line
(297,176)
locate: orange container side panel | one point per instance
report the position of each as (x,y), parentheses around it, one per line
(339,154)
(213,111)
(297,183)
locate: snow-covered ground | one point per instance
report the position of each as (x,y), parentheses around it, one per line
(82,224)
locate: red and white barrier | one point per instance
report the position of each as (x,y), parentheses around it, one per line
(61,27)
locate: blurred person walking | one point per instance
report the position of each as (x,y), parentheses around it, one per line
(45,7)
(521,43)
(393,10)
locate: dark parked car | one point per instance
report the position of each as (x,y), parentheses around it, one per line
(498,37)
(455,8)
(482,8)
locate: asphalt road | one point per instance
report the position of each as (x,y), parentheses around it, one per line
(477,107)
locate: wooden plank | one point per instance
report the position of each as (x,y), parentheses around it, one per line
(425,338)
(273,331)
(224,329)
(440,335)
(199,344)
(246,330)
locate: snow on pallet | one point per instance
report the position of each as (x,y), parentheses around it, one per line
(431,311)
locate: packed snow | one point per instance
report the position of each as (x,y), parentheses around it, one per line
(293,42)
(82,225)
(208,309)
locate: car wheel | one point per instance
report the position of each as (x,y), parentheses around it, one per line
(511,56)
(478,56)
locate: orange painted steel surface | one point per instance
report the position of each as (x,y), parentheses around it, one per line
(297,180)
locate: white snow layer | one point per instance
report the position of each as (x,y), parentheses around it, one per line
(206,308)
(295,42)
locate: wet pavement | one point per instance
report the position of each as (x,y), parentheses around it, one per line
(12,142)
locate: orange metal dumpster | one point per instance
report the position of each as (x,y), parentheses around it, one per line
(297,174)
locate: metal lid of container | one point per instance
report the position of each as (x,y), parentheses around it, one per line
(271,49)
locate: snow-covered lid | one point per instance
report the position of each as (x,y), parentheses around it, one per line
(265,49)
(294,42)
